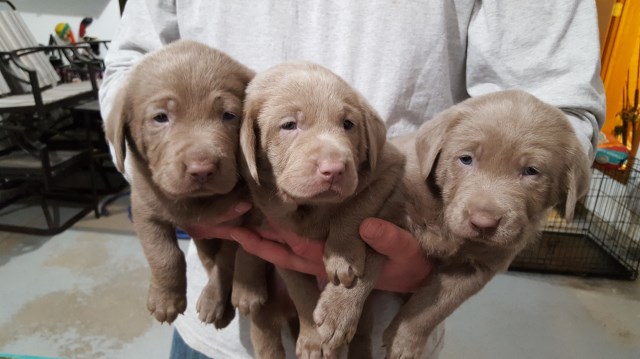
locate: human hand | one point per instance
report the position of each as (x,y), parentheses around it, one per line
(216,227)
(405,269)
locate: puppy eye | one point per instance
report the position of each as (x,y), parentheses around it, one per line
(228,116)
(347,124)
(466,160)
(161,118)
(530,171)
(289,126)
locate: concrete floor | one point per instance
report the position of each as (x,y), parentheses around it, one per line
(81,294)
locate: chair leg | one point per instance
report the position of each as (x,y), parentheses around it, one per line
(46,167)
(45,210)
(92,165)
(94,189)
(105,179)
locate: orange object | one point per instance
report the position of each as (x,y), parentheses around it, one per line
(63,30)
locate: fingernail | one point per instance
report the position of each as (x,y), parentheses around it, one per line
(234,236)
(371,229)
(242,207)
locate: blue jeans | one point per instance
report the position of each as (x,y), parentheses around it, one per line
(180,349)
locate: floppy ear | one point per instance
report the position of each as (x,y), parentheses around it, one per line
(576,181)
(114,128)
(431,136)
(376,135)
(248,137)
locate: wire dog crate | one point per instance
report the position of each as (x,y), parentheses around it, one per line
(603,239)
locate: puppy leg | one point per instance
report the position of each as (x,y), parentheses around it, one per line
(408,332)
(167,291)
(344,260)
(213,305)
(339,308)
(266,328)
(360,346)
(304,293)
(345,252)
(249,292)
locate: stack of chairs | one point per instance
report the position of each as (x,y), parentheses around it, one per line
(35,108)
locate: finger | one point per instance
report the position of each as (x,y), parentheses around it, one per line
(235,212)
(213,229)
(274,252)
(274,231)
(404,276)
(267,232)
(207,232)
(388,239)
(309,249)
(303,247)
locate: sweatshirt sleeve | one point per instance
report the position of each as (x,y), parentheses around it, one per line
(548,48)
(146,25)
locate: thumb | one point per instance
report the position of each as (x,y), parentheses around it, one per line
(388,239)
(237,211)
(214,227)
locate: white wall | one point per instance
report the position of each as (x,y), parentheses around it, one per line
(42,16)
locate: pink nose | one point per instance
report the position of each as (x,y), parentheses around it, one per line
(483,220)
(200,170)
(330,170)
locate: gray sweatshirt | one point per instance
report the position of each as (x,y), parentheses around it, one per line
(411,59)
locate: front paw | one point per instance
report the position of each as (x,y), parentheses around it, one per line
(166,304)
(402,344)
(213,307)
(309,345)
(248,299)
(336,317)
(344,269)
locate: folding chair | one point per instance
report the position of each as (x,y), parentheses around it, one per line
(34,108)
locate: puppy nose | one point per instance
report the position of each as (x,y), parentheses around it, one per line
(330,170)
(200,170)
(483,220)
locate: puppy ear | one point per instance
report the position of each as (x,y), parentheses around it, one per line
(248,137)
(376,135)
(576,181)
(114,128)
(431,136)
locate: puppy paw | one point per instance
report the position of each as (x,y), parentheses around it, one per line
(402,344)
(309,345)
(404,349)
(336,317)
(214,308)
(165,305)
(343,270)
(248,299)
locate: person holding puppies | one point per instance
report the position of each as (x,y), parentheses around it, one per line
(410,61)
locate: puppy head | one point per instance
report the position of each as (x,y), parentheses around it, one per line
(310,131)
(179,113)
(501,161)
